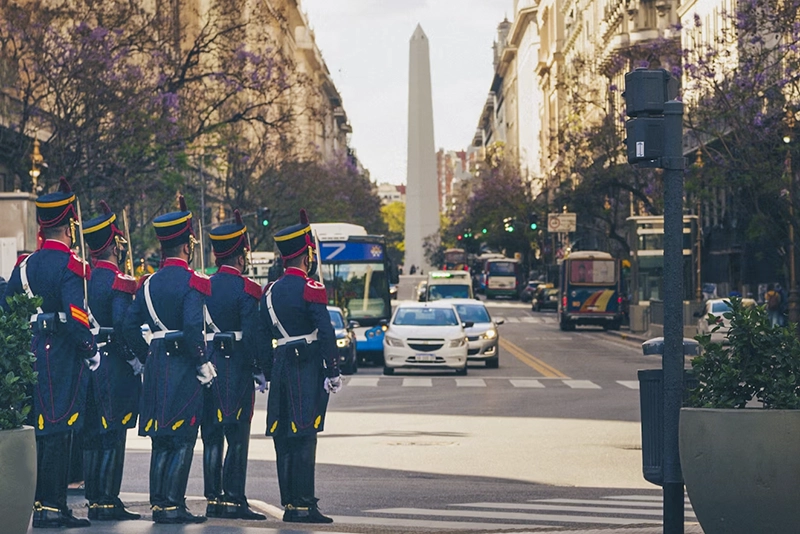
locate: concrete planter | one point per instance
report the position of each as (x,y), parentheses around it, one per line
(741,469)
(17,478)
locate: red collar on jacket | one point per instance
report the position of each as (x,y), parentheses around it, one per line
(176,262)
(52,244)
(105,264)
(227,269)
(294,271)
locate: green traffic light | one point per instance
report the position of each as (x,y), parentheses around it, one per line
(534,226)
(265,223)
(483,231)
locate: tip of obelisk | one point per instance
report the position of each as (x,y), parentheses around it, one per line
(419,33)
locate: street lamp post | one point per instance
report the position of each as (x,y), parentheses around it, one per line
(793,308)
(37,160)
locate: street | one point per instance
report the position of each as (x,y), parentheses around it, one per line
(549,439)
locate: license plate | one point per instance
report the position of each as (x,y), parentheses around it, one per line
(426,358)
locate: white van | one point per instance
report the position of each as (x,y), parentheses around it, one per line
(449,285)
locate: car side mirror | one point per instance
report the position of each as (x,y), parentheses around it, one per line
(353,324)
(500,321)
(468,324)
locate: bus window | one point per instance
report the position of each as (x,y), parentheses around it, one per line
(592,272)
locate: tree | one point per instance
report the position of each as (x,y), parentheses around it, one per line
(394,217)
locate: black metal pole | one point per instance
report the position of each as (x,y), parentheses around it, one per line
(673,358)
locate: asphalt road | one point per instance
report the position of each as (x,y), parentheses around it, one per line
(549,439)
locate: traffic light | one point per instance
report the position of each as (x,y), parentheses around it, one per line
(460,237)
(533,220)
(262,214)
(646,91)
(484,231)
(468,233)
(508,224)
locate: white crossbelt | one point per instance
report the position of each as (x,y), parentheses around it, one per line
(23,278)
(237,334)
(162,330)
(309,338)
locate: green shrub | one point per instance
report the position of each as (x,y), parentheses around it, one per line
(17,377)
(758,361)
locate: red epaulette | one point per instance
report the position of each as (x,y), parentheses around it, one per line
(124,283)
(79,267)
(266,288)
(315,292)
(201,283)
(20,259)
(252,288)
(141,280)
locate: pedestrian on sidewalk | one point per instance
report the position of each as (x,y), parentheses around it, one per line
(112,405)
(171,302)
(774,303)
(63,345)
(233,345)
(304,370)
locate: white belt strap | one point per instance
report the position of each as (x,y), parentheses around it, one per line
(152,311)
(285,337)
(237,335)
(23,277)
(210,322)
(159,334)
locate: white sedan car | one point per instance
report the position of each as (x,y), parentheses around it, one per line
(483,338)
(426,335)
(717,308)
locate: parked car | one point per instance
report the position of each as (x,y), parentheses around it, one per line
(546,299)
(526,295)
(425,336)
(422,290)
(717,307)
(483,337)
(345,341)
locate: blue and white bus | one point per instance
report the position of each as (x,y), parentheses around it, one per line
(357,272)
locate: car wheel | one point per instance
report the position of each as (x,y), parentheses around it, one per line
(493,363)
(462,372)
(388,371)
(565,325)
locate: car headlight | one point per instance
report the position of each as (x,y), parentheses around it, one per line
(458,342)
(393,341)
(343,342)
(489,334)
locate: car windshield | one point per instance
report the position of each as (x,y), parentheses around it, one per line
(336,320)
(448,292)
(720,307)
(425,317)
(475,313)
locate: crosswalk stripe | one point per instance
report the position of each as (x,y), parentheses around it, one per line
(418,382)
(470,383)
(512,319)
(632,384)
(564,508)
(421,523)
(549,320)
(652,498)
(608,501)
(362,381)
(581,384)
(530,320)
(520,516)
(526,383)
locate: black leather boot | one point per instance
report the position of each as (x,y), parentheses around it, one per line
(305,514)
(115,482)
(283,462)
(235,505)
(91,469)
(158,473)
(213,443)
(178,477)
(50,509)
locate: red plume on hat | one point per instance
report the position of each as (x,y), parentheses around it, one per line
(63,185)
(182,203)
(303,216)
(105,208)
(237,217)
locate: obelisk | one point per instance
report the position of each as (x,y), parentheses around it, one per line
(422,196)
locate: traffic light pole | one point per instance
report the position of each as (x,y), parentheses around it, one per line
(673,358)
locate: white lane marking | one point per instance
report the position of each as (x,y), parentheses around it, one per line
(654,498)
(362,381)
(632,384)
(609,501)
(581,384)
(526,383)
(549,320)
(422,523)
(418,382)
(512,319)
(518,516)
(530,319)
(267,508)
(470,383)
(609,508)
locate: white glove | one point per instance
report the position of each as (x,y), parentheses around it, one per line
(333,385)
(137,366)
(206,374)
(261,382)
(94,362)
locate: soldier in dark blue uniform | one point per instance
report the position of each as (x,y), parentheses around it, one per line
(233,345)
(304,370)
(171,302)
(64,348)
(112,405)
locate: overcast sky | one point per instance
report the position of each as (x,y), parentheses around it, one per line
(365,45)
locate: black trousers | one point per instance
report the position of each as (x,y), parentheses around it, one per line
(296,458)
(225,482)
(170,462)
(52,467)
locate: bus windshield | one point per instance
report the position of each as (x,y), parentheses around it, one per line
(361,289)
(502,268)
(590,271)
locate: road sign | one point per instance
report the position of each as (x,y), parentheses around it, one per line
(562,223)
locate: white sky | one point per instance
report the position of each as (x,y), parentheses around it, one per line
(365,45)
